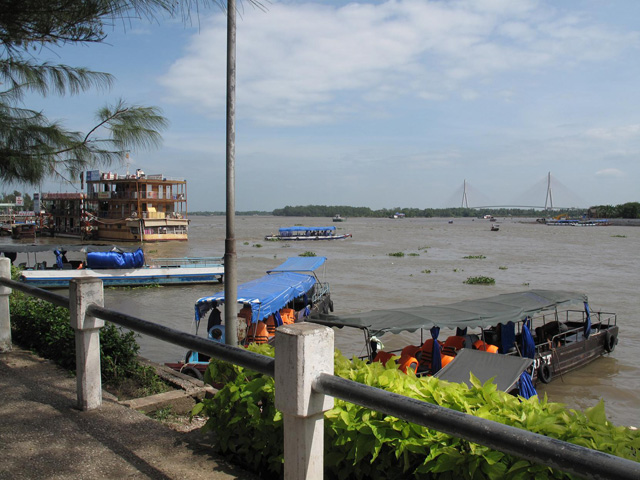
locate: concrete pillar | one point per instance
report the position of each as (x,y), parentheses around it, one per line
(82,293)
(303,351)
(5,315)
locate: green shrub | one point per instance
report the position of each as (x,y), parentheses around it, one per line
(45,329)
(361,443)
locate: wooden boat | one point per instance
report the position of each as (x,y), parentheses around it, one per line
(338,218)
(307,233)
(288,293)
(495,227)
(112,265)
(541,327)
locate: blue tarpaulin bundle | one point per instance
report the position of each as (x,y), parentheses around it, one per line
(102,260)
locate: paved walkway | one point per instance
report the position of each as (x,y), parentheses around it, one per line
(43,435)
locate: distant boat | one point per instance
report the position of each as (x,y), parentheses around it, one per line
(495,227)
(450,221)
(307,233)
(338,218)
(398,215)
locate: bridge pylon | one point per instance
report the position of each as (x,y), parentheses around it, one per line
(465,200)
(548,201)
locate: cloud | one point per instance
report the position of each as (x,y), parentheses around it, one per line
(610,172)
(310,64)
(615,133)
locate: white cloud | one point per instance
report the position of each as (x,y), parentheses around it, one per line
(301,64)
(615,133)
(610,172)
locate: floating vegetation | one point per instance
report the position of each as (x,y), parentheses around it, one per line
(480,281)
(307,254)
(397,254)
(413,254)
(618,236)
(526,284)
(426,271)
(426,247)
(474,257)
(503,268)
(246,243)
(257,245)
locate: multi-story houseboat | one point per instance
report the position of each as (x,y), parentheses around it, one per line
(135,207)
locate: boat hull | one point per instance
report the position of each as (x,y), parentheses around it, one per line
(125,277)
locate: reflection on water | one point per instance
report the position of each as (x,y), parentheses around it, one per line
(598,261)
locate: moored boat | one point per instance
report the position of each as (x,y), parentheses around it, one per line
(338,218)
(307,233)
(113,265)
(541,327)
(287,294)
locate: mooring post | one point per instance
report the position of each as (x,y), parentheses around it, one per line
(303,352)
(5,315)
(82,294)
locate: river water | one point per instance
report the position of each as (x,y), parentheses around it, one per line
(602,262)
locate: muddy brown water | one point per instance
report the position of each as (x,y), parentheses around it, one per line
(602,262)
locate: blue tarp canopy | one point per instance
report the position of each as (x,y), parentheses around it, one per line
(266,295)
(300,264)
(306,229)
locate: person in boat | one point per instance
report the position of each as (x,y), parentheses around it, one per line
(216,334)
(214,319)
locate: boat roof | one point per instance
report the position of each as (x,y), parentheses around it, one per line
(484,312)
(22,248)
(270,293)
(300,264)
(306,229)
(504,369)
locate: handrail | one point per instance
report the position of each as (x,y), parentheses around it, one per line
(534,447)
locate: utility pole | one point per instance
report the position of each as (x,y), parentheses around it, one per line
(230,255)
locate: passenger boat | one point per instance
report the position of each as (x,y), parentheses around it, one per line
(287,294)
(113,265)
(307,233)
(338,218)
(542,328)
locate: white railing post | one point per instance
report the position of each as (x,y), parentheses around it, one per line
(5,315)
(303,351)
(82,293)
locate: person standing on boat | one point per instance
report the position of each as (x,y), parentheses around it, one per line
(214,319)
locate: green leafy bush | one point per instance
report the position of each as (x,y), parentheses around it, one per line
(361,443)
(45,328)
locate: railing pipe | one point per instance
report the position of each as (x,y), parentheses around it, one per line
(59,300)
(531,446)
(239,356)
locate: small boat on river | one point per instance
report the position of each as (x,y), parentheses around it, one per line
(287,294)
(115,266)
(308,233)
(338,218)
(542,329)
(495,227)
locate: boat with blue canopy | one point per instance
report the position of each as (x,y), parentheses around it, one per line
(289,293)
(115,266)
(308,233)
(556,331)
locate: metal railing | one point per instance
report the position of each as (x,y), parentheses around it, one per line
(303,394)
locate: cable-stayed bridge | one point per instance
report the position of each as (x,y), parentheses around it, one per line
(548,185)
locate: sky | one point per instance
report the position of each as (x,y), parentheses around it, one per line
(383,104)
